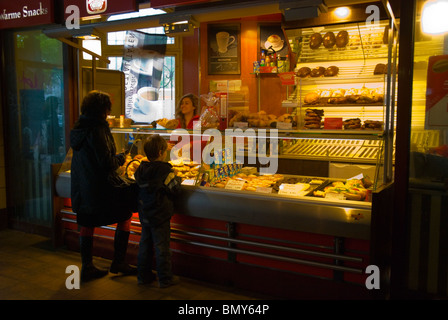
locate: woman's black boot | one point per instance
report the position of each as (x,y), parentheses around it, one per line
(88,270)
(121,246)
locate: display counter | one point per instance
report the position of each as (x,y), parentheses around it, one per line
(246,234)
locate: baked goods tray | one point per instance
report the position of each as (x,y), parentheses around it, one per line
(364,42)
(353,73)
(320,187)
(313,182)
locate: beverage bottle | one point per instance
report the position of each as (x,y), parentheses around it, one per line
(223,111)
(280,64)
(263,58)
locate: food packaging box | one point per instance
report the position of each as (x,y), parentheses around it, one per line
(268,69)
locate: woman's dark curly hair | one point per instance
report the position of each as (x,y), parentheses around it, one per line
(96,104)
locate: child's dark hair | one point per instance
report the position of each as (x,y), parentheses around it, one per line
(96,104)
(153,146)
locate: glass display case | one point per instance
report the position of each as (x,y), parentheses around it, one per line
(336,151)
(277,179)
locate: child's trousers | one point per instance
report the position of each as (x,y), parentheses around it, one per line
(155,239)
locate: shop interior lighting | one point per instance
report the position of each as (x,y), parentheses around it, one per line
(91,43)
(342,12)
(175,24)
(434,19)
(87,18)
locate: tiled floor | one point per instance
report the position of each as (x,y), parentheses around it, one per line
(31,269)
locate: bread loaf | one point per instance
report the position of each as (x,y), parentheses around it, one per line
(329,40)
(311,98)
(331,71)
(304,72)
(342,39)
(317,72)
(315,40)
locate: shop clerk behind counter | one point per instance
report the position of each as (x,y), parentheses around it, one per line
(187,111)
(187,114)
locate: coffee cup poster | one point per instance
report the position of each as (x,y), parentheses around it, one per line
(273,40)
(223,49)
(143,68)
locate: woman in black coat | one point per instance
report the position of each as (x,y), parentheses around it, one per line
(94,200)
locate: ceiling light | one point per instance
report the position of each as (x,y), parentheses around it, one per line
(342,12)
(434,19)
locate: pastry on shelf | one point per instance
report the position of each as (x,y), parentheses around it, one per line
(342,39)
(338,93)
(311,98)
(331,71)
(329,40)
(380,68)
(352,95)
(238,117)
(365,96)
(377,95)
(376,40)
(354,42)
(315,40)
(168,123)
(304,72)
(373,125)
(324,95)
(317,72)
(313,118)
(352,123)
(338,97)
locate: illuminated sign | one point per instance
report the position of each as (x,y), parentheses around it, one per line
(25,13)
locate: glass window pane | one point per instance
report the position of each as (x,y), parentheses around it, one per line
(117,38)
(36,131)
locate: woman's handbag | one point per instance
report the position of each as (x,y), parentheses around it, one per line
(124,189)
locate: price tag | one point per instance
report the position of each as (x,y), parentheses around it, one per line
(284,125)
(241,124)
(235,184)
(334,196)
(290,189)
(188,182)
(263,190)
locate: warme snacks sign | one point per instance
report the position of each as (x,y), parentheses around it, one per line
(25,13)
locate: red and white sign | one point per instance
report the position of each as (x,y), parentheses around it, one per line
(25,13)
(333,123)
(93,7)
(96,6)
(287,78)
(437,93)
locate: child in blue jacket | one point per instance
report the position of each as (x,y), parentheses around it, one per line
(157,185)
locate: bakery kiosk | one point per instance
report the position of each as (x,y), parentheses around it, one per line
(305,230)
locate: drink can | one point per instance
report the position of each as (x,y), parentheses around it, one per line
(256,67)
